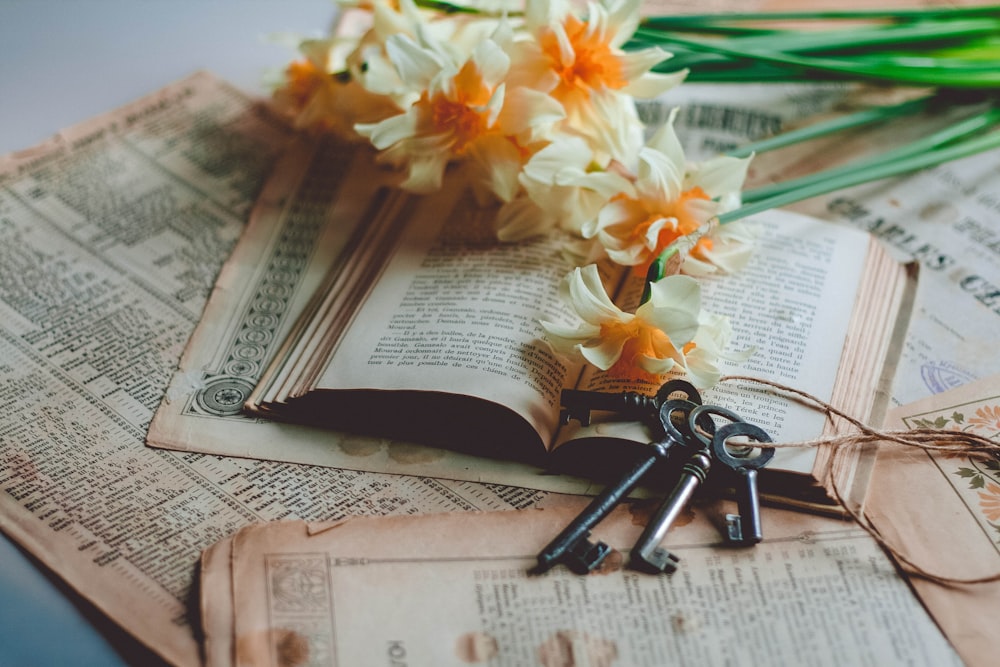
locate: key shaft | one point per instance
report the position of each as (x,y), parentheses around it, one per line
(648,554)
(572,545)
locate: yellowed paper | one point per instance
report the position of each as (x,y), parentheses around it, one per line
(943,513)
(454,590)
(110,239)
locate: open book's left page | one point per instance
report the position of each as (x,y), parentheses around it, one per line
(304,222)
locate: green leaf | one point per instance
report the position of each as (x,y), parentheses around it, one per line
(977,482)
(966,472)
(958,417)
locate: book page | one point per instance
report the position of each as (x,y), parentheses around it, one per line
(946,220)
(791,308)
(816,591)
(457,311)
(942,512)
(110,239)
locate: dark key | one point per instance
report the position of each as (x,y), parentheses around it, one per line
(744,529)
(577,403)
(572,546)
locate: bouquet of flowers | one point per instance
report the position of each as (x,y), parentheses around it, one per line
(538,103)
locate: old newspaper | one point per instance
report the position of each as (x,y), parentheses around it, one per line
(110,239)
(816,591)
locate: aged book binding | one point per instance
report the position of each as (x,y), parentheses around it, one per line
(426,328)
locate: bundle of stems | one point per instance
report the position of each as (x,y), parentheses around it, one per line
(952,48)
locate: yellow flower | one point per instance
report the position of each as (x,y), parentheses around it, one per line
(464,112)
(650,342)
(319,100)
(564,187)
(670,199)
(989,502)
(582,65)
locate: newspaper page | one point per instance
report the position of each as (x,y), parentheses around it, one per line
(816,591)
(943,512)
(111,236)
(947,219)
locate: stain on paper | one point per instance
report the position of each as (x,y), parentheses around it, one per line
(571,648)
(476,647)
(353,446)
(403,453)
(289,648)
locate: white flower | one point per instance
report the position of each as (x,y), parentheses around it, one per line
(671,199)
(650,342)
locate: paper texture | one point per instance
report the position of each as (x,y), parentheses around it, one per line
(110,239)
(943,513)
(453,590)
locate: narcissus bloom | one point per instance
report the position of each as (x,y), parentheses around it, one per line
(670,199)
(580,63)
(651,342)
(465,111)
(564,187)
(316,99)
(722,249)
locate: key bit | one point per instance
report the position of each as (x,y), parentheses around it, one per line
(743,529)
(648,554)
(572,546)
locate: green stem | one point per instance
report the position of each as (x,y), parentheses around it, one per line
(816,130)
(884,70)
(925,144)
(695,21)
(861,176)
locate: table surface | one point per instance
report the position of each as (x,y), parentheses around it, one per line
(61,62)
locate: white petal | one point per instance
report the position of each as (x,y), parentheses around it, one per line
(416,66)
(493,63)
(604,353)
(660,178)
(589,298)
(525,109)
(722,175)
(426,175)
(521,218)
(654,84)
(637,63)
(390,130)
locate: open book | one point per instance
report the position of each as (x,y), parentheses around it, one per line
(425,328)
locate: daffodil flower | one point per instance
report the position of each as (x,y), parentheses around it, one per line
(665,333)
(564,187)
(581,64)
(317,100)
(670,199)
(465,111)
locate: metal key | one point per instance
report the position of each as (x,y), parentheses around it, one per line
(572,546)
(578,404)
(744,528)
(648,554)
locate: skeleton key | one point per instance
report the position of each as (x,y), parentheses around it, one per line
(572,546)
(647,554)
(744,528)
(578,404)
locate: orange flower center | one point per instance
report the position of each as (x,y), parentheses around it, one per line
(686,222)
(303,80)
(456,114)
(595,65)
(640,341)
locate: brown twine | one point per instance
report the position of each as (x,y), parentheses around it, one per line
(926,439)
